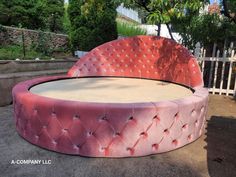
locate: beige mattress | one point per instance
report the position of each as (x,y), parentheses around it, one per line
(111,90)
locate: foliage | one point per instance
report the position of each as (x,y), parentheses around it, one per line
(66,20)
(229,9)
(29,14)
(92,23)
(164,11)
(32,14)
(54,10)
(11,52)
(205,28)
(129,29)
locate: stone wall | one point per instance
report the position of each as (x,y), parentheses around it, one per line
(12,35)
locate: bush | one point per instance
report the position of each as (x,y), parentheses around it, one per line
(92,23)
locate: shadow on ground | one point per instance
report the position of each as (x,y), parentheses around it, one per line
(221,146)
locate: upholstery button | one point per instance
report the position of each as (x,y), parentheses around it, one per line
(36,136)
(90,133)
(64,130)
(190,137)
(53,114)
(104,118)
(175,142)
(131,118)
(166,131)
(131,150)
(202,108)
(117,134)
(176,116)
(184,127)
(35,111)
(54,142)
(76,117)
(156,118)
(196,123)
(44,126)
(144,134)
(193,113)
(76,147)
(155,146)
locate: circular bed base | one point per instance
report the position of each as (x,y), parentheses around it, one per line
(106,128)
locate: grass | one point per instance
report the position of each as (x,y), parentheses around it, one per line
(129,29)
(11,52)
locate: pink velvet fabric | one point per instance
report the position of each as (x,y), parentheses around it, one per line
(117,129)
(141,56)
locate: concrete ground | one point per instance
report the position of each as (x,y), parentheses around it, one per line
(214,154)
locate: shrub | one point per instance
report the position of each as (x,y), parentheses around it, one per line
(128,29)
(92,23)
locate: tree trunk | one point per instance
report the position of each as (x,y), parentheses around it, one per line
(168,27)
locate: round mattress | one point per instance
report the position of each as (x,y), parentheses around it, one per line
(111,90)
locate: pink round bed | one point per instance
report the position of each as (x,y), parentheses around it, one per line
(129,97)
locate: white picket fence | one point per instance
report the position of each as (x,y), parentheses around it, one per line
(219,71)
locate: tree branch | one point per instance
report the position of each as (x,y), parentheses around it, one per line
(144,5)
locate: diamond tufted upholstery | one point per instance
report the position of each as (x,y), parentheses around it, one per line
(117,129)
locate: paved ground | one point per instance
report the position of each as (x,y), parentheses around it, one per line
(214,154)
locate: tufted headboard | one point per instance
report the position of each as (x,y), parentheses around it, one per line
(143,57)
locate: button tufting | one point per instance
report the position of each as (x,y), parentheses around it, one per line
(193,113)
(166,131)
(184,127)
(175,142)
(144,134)
(189,137)
(131,150)
(131,118)
(156,118)
(44,126)
(36,136)
(202,108)
(155,146)
(177,116)
(64,130)
(53,114)
(35,111)
(117,134)
(76,147)
(196,123)
(54,142)
(104,118)
(90,133)
(76,117)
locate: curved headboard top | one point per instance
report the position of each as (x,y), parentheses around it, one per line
(143,57)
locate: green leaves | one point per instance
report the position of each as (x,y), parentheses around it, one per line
(164,11)
(93,22)
(32,14)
